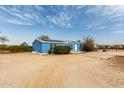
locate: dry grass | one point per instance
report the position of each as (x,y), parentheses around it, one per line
(116,62)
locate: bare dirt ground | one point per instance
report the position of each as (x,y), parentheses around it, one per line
(94,69)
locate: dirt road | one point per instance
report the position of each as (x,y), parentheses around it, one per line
(73,70)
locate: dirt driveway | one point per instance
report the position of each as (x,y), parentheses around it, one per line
(93,69)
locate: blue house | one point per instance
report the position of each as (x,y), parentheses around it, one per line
(43,46)
(24,44)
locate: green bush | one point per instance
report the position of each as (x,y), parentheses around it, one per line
(14,49)
(104,50)
(3,48)
(61,50)
(50,51)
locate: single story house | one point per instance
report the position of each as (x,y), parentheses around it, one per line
(43,46)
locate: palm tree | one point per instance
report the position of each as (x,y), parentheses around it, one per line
(43,37)
(3,40)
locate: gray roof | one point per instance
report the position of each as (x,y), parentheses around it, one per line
(56,41)
(53,40)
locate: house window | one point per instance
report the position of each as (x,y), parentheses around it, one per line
(71,46)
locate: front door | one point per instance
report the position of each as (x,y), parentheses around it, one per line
(75,47)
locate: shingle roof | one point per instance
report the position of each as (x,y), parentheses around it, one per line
(52,40)
(56,41)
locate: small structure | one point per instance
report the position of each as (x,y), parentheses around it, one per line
(43,46)
(24,44)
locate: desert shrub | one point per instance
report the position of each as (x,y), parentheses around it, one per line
(88,44)
(104,50)
(103,46)
(15,49)
(50,51)
(3,48)
(122,46)
(61,50)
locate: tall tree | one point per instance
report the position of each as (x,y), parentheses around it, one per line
(3,40)
(78,41)
(44,37)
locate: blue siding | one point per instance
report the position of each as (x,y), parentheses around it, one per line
(37,46)
(46,47)
(41,47)
(72,44)
(78,47)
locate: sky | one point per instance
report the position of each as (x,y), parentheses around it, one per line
(25,23)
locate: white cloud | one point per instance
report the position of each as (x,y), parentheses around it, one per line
(40,8)
(80,6)
(110,12)
(95,24)
(62,19)
(107,17)
(18,22)
(23,15)
(63,16)
(118,32)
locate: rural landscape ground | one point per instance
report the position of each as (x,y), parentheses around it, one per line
(93,69)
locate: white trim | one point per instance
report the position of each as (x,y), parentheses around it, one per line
(57,42)
(34,52)
(75,46)
(39,53)
(49,42)
(74,41)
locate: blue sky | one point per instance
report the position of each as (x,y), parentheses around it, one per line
(25,23)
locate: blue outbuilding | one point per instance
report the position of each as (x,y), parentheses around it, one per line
(43,46)
(24,44)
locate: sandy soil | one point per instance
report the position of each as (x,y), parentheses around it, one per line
(95,69)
